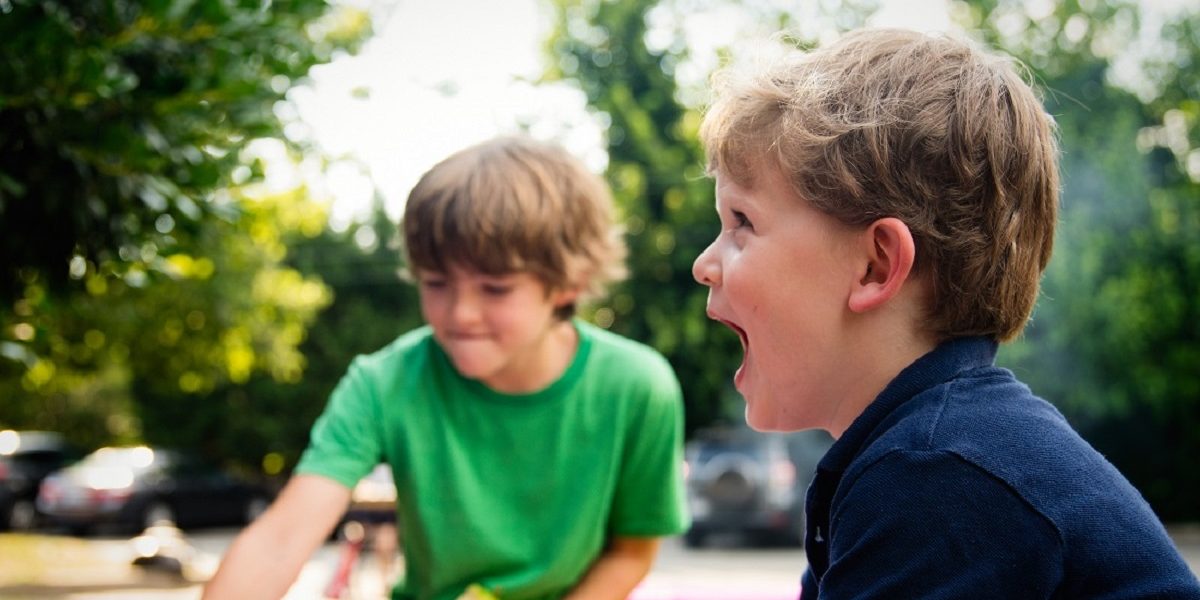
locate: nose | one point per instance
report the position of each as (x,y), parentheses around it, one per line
(707,269)
(464,308)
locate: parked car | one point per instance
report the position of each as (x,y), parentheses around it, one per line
(26,458)
(750,483)
(136,487)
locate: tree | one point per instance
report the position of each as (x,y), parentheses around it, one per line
(122,121)
(142,270)
(138,358)
(370,307)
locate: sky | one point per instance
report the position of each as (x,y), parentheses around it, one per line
(440,76)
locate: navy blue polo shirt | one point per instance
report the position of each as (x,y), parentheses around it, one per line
(958,482)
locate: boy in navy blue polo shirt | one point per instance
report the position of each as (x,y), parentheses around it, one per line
(887,207)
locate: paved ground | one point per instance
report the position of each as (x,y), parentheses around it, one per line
(59,567)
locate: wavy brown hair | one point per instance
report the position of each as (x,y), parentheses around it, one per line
(928,129)
(515,204)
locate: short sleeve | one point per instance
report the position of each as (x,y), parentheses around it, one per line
(346,440)
(650,497)
(933,525)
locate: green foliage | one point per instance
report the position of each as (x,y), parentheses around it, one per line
(262,424)
(143,293)
(371,307)
(120,120)
(213,317)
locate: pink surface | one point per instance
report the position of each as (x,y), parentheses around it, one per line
(651,590)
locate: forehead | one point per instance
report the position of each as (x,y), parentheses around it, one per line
(463,272)
(760,186)
(460,269)
(774,206)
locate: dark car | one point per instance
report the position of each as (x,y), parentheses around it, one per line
(26,458)
(750,483)
(133,488)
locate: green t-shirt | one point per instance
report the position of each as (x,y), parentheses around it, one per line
(517,493)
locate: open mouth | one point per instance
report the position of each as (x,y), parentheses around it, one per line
(741,333)
(739,377)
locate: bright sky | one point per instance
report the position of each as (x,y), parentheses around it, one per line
(439,76)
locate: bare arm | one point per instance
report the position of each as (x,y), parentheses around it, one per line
(265,559)
(618,570)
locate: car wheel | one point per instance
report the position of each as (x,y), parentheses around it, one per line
(255,507)
(22,516)
(695,537)
(158,513)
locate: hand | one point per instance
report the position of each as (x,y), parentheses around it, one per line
(476,592)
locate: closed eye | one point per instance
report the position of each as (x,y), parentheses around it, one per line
(492,289)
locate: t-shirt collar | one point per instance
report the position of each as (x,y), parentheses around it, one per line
(555,389)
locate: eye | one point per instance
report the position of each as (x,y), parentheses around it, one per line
(740,220)
(433,283)
(496,289)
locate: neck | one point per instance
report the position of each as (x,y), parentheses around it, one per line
(544,365)
(884,342)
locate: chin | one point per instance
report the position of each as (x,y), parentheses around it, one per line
(785,420)
(471,370)
(759,422)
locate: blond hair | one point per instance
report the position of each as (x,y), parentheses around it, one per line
(514,204)
(927,129)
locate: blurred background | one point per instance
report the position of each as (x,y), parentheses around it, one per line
(198,204)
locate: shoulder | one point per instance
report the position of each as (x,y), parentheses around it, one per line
(941,461)
(408,350)
(982,458)
(932,522)
(934,489)
(994,421)
(400,364)
(623,355)
(624,361)
(982,415)
(994,427)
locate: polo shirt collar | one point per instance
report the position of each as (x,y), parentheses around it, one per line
(939,365)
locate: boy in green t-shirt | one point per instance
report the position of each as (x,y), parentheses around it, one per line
(535,455)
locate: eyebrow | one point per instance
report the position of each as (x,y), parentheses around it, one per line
(735,196)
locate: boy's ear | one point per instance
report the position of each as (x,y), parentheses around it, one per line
(889,257)
(564,296)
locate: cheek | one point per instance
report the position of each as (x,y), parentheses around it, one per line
(748,288)
(432,307)
(508,313)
